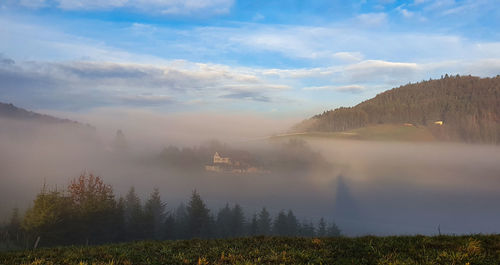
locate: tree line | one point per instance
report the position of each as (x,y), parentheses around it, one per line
(87,212)
(286,157)
(468,106)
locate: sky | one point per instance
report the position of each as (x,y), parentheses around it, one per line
(277,58)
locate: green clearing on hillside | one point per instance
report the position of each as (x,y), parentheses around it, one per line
(382,132)
(474,249)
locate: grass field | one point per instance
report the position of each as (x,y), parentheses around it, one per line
(474,249)
(382,132)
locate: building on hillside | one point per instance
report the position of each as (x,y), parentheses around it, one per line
(438,123)
(228,165)
(218,159)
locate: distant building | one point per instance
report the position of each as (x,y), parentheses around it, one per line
(226,164)
(218,159)
(438,123)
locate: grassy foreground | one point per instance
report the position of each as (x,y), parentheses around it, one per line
(381,132)
(475,249)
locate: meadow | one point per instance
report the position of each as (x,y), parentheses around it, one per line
(379,132)
(470,249)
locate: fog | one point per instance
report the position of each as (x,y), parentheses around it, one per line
(366,187)
(408,188)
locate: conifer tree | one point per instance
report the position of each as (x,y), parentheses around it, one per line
(254,226)
(237,221)
(198,217)
(264,223)
(224,222)
(321,227)
(292,225)
(333,230)
(14,226)
(133,215)
(154,214)
(280,226)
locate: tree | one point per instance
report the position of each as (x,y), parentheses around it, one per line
(467,105)
(120,143)
(292,224)
(133,215)
(14,226)
(224,222)
(95,208)
(15,221)
(50,218)
(333,230)
(321,227)
(169,227)
(237,221)
(307,229)
(254,226)
(198,217)
(154,214)
(180,230)
(119,221)
(264,223)
(281,224)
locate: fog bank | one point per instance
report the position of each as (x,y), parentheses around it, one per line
(365,187)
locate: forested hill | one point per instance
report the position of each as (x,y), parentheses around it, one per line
(9,111)
(468,106)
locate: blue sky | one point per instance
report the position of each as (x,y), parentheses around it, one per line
(285,58)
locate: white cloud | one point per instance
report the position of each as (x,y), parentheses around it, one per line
(326,46)
(258,17)
(372,19)
(90,4)
(381,66)
(346,88)
(336,55)
(299,73)
(132,83)
(484,67)
(385,2)
(348,56)
(439,5)
(143,29)
(418,2)
(377,70)
(406,13)
(167,7)
(465,7)
(33,3)
(147,99)
(336,44)
(184,7)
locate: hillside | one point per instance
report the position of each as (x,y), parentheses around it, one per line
(475,249)
(19,127)
(378,132)
(469,108)
(11,112)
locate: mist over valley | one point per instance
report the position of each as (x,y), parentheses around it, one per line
(366,187)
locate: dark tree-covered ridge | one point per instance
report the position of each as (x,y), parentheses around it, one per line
(468,106)
(9,111)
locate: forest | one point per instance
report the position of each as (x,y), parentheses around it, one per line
(468,106)
(87,213)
